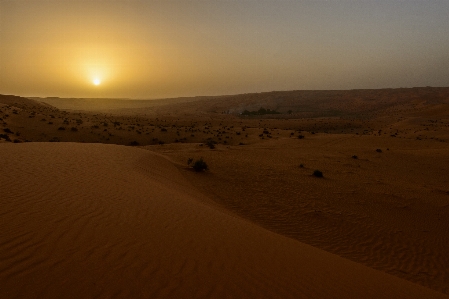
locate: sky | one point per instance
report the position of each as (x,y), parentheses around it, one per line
(160,49)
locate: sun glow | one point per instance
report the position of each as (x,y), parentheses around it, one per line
(96,81)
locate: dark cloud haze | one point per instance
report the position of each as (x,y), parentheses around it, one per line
(154,49)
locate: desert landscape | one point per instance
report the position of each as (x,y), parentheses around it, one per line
(224,149)
(307,194)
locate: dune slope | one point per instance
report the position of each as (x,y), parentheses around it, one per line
(105,221)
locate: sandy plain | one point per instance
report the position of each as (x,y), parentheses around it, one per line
(99,202)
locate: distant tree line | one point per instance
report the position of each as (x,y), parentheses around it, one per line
(261,111)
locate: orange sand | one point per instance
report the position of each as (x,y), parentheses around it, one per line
(104,221)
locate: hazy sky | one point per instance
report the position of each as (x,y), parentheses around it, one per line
(154,49)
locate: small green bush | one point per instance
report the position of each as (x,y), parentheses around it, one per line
(200,165)
(211,144)
(6,137)
(318,174)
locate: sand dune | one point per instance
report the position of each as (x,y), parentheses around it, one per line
(106,221)
(386,210)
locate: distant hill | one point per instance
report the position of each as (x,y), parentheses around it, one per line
(305,102)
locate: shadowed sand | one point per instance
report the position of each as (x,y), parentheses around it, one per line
(108,221)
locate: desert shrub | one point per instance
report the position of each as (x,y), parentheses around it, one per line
(73,129)
(61,128)
(189,161)
(355,157)
(318,174)
(7,130)
(200,165)
(211,144)
(4,136)
(301,165)
(134,143)
(301,137)
(378,150)
(261,111)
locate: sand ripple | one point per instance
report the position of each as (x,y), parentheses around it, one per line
(101,221)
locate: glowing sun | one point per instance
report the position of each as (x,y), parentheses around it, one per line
(96,81)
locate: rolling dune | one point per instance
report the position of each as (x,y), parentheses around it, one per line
(108,221)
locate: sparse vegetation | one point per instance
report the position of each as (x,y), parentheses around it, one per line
(318,174)
(4,136)
(200,165)
(211,143)
(261,111)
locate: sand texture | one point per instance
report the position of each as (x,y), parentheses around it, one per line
(386,210)
(105,221)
